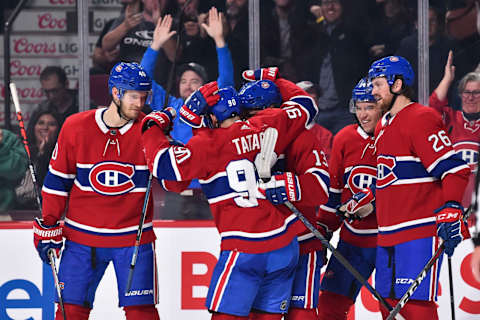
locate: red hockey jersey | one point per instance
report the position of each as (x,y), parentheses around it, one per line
(417,172)
(98,178)
(306,157)
(465,136)
(352,167)
(223,160)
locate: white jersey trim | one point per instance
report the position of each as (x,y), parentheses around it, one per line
(106,230)
(223,197)
(215,176)
(156,160)
(55,192)
(406,224)
(456,169)
(320,181)
(260,234)
(445,156)
(61,174)
(414,180)
(360,231)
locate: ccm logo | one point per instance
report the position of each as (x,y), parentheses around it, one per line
(449,216)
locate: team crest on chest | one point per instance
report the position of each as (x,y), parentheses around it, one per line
(361,177)
(385,174)
(112,178)
(468,150)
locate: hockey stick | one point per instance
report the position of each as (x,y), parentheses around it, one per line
(51,253)
(450,280)
(401,303)
(266,151)
(133,261)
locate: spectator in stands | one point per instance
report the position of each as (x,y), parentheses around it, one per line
(13,164)
(60,99)
(104,60)
(338,60)
(133,30)
(191,204)
(191,75)
(237,37)
(439,46)
(195,45)
(463,126)
(390,28)
(42,136)
(286,37)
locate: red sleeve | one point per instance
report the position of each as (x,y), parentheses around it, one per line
(308,158)
(289,89)
(60,176)
(176,163)
(441,106)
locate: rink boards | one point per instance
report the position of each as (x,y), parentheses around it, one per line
(186,255)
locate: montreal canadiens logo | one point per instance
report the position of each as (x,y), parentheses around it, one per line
(112,178)
(385,174)
(361,177)
(469,153)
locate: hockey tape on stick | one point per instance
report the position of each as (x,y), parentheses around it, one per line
(23,132)
(342,259)
(401,303)
(51,259)
(266,158)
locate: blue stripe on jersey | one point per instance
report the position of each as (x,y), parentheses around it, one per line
(309,105)
(57,183)
(334,200)
(217,188)
(105,234)
(257,239)
(165,169)
(446,165)
(404,171)
(325,178)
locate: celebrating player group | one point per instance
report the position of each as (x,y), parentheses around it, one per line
(392,184)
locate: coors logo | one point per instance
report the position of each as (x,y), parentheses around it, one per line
(47,21)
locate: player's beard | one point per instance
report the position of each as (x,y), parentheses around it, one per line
(121,111)
(386,103)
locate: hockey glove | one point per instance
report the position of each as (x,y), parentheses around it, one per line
(270,73)
(194,109)
(163,119)
(324,230)
(46,238)
(360,205)
(450,225)
(281,188)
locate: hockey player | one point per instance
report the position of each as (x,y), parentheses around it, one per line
(98,177)
(463,127)
(420,183)
(259,250)
(352,168)
(305,161)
